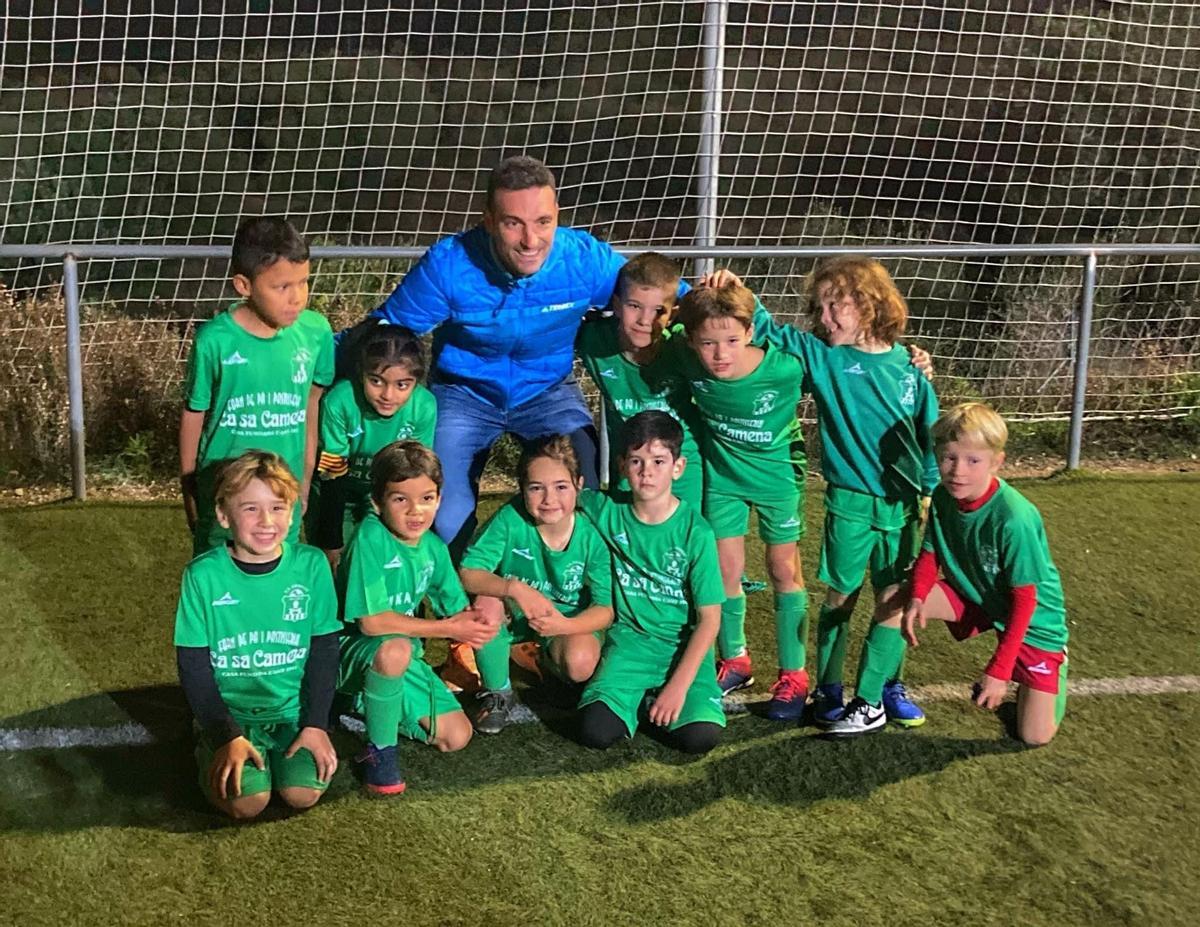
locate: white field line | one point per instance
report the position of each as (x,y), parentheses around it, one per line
(133,735)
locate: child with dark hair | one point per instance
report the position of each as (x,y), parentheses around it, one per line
(657,660)
(383,401)
(255,375)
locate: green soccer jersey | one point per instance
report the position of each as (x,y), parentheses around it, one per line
(661,573)
(255,390)
(628,388)
(574,578)
(874,411)
(257,628)
(984,554)
(352,433)
(381,573)
(752,443)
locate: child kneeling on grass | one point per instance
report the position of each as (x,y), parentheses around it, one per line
(256,638)
(392,564)
(553,570)
(657,659)
(989,544)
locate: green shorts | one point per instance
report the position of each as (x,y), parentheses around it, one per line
(851,547)
(633,667)
(780,518)
(424,695)
(280,772)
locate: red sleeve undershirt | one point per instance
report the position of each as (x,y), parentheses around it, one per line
(924,575)
(1024,602)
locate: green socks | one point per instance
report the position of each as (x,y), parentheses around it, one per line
(731,639)
(382,706)
(833,632)
(791,628)
(881,656)
(492,660)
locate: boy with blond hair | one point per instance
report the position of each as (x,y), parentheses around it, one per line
(255,374)
(256,638)
(989,545)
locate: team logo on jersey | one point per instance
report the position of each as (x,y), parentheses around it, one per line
(394,564)
(621,538)
(523,552)
(295,603)
(701,385)
(234,359)
(300,361)
(908,392)
(573,577)
(226,599)
(356,433)
(856,368)
(424,578)
(608,373)
(675,563)
(764,402)
(989,559)
(404,432)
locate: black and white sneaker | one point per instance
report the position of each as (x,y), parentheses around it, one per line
(860,717)
(492,710)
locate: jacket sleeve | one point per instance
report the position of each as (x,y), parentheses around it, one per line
(420,302)
(607,264)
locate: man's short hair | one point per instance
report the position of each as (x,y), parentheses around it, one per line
(260,241)
(400,461)
(974,422)
(519,172)
(652,425)
(235,475)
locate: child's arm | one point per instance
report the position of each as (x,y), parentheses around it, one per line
(191,427)
(669,702)
(520,593)
(311,435)
(924,575)
(467,626)
(993,686)
(316,697)
(591,619)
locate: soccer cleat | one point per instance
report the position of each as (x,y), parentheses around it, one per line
(492,710)
(788,696)
(827,704)
(460,672)
(751,586)
(860,717)
(381,770)
(900,709)
(734,673)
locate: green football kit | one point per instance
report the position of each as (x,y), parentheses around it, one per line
(351,434)
(258,628)
(381,573)
(254,393)
(661,575)
(573,579)
(628,388)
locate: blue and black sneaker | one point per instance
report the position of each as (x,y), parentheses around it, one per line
(827,704)
(788,696)
(734,673)
(381,770)
(900,710)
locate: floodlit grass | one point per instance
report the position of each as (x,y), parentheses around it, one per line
(950,824)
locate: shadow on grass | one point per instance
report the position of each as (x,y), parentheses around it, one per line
(800,771)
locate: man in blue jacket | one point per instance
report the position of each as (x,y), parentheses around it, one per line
(505,300)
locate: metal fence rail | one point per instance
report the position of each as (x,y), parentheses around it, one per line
(71,254)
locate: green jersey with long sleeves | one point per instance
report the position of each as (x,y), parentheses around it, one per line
(381,573)
(875,413)
(257,627)
(574,578)
(661,573)
(753,446)
(984,554)
(352,433)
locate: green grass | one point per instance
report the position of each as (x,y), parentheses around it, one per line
(949,824)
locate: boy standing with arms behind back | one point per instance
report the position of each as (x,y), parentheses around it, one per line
(256,374)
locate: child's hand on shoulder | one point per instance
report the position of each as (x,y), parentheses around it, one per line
(316,742)
(228,762)
(989,692)
(922,360)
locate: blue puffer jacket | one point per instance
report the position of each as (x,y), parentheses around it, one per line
(505,338)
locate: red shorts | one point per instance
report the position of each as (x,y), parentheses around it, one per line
(1036,668)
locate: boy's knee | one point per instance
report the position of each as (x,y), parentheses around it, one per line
(299,797)
(1032,735)
(245,808)
(453,732)
(783,567)
(580,663)
(599,726)
(841,603)
(392,657)
(698,737)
